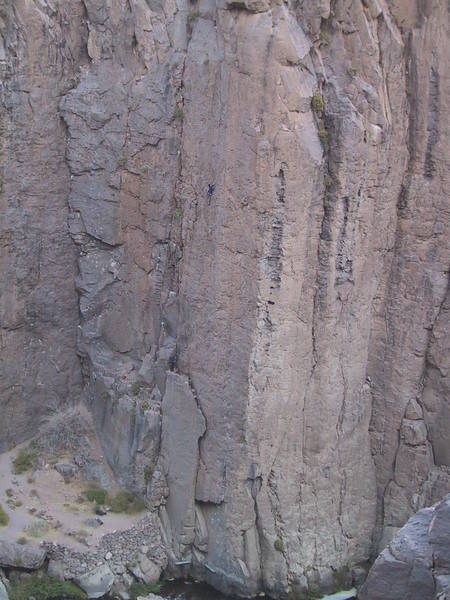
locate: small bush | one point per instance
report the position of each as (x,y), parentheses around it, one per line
(4,519)
(342,579)
(323,136)
(317,103)
(314,593)
(120,502)
(193,15)
(44,588)
(136,388)
(37,529)
(178,213)
(136,506)
(278,545)
(144,407)
(148,474)
(143,589)
(22,541)
(96,494)
(24,461)
(9,492)
(126,502)
(179,114)
(325,38)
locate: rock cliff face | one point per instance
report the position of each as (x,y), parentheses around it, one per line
(225,223)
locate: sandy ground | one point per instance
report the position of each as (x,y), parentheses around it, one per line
(43,496)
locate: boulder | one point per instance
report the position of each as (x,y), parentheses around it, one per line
(416,564)
(18,556)
(66,470)
(97,582)
(55,569)
(146,570)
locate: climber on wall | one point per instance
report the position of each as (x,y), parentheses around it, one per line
(211,188)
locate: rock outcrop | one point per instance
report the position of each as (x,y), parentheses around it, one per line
(416,564)
(21,557)
(226,225)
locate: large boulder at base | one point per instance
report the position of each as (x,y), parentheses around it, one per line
(18,556)
(96,583)
(146,570)
(416,564)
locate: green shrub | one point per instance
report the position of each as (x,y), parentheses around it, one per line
(136,388)
(179,114)
(342,579)
(314,593)
(142,589)
(25,460)
(126,502)
(148,474)
(323,136)
(278,545)
(136,506)
(120,502)
(317,103)
(324,38)
(193,15)
(144,407)
(4,519)
(178,213)
(96,494)
(37,529)
(22,541)
(9,492)
(45,588)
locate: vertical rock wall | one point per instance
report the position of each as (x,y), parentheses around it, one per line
(41,47)
(255,193)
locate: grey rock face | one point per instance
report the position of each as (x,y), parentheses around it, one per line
(16,555)
(39,367)
(298,312)
(183,424)
(416,564)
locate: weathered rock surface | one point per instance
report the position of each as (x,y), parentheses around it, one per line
(22,557)
(97,582)
(416,564)
(251,294)
(39,367)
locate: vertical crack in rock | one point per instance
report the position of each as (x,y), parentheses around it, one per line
(429,167)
